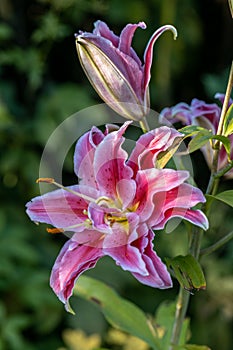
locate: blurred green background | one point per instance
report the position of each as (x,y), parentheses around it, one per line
(41,84)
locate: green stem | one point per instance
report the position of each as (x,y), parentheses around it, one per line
(184,296)
(144,125)
(181,309)
(196,236)
(217,245)
(219,132)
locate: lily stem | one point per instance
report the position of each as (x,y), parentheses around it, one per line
(196,235)
(184,296)
(217,144)
(217,245)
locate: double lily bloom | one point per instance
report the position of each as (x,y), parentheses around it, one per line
(115,70)
(206,115)
(117,203)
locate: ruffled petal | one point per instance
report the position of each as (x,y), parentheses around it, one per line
(84,156)
(110,163)
(184,196)
(102,30)
(140,259)
(150,145)
(71,262)
(61,208)
(158,275)
(148,55)
(152,181)
(196,217)
(125,42)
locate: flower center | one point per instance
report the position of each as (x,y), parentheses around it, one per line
(113,215)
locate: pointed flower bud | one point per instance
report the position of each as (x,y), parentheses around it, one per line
(115,70)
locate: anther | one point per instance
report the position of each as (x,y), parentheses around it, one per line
(54,230)
(48,180)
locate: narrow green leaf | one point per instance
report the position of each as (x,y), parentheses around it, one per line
(225,141)
(188,272)
(226,197)
(200,140)
(119,312)
(164,320)
(228,122)
(191,130)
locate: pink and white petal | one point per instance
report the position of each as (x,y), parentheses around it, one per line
(126,190)
(123,232)
(109,163)
(71,262)
(152,181)
(61,208)
(128,257)
(148,54)
(97,215)
(183,196)
(149,146)
(157,276)
(84,156)
(196,217)
(140,259)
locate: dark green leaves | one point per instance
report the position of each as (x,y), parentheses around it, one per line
(188,272)
(201,136)
(226,197)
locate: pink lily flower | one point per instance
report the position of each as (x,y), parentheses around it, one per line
(115,70)
(206,115)
(117,204)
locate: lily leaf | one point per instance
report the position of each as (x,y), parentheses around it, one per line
(226,143)
(191,130)
(119,312)
(164,320)
(188,272)
(200,140)
(225,197)
(228,122)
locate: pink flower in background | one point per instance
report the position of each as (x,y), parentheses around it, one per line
(118,202)
(205,115)
(115,70)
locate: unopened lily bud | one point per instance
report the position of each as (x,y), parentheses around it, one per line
(115,70)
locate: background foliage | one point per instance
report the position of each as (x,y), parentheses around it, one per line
(41,84)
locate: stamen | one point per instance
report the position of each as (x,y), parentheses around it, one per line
(86,223)
(50,180)
(54,230)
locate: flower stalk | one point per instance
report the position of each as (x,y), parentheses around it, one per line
(196,235)
(217,145)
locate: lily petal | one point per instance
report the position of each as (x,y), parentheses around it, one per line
(140,259)
(61,208)
(84,155)
(71,262)
(148,54)
(110,163)
(196,217)
(150,145)
(152,181)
